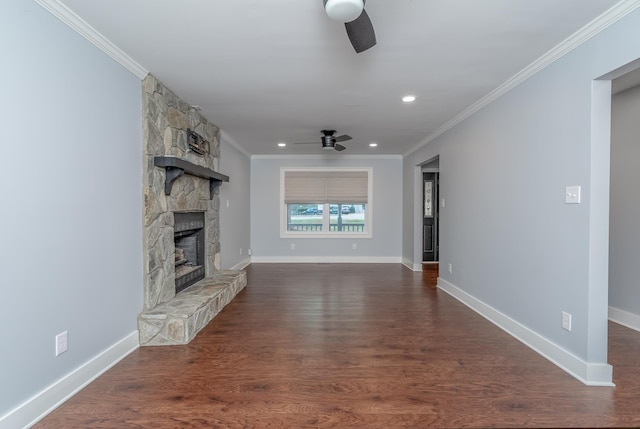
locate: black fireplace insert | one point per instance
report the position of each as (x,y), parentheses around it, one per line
(189,242)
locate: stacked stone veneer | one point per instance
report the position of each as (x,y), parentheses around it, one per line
(168,318)
(180,319)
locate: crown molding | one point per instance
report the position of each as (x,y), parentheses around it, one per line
(66,15)
(617,12)
(608,18)
(228,139)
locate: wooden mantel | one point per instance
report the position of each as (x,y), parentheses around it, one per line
(176,167)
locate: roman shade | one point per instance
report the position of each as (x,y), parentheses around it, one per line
(319,187)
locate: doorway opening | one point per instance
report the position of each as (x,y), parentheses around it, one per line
(604,260)
(430,222)
(430,188)
(624,201)
(430,211)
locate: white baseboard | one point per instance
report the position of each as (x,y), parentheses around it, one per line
(36,408)
(241,265)
(624,318)
(325,260)
(409,264)
(591,374)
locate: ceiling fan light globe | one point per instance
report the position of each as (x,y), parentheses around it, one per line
(327,147)
(344,10)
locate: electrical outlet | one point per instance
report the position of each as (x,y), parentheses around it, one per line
(443,202)
(450,268)
(249,252)
(354,246)
(566,321)
(241,251)
(62,343)
(293,246)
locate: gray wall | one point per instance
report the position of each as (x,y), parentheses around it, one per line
(265,212)
(624,235)
(234,216)
(512,241)
(71,222)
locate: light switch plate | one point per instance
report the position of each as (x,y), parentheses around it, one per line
(62,343)
(566,321)
(572,195)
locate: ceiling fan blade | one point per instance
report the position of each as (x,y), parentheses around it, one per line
(339,147)
(342,138)
(306,142)
(360,32)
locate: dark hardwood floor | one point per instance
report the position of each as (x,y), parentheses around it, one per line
(351,346)
(430,273)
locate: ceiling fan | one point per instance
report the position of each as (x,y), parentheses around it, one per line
(356,21)
(329,141)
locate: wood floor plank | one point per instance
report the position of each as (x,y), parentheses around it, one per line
(351,346)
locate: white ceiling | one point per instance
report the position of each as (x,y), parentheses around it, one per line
(280,70)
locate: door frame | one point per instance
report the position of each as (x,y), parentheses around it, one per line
(436,212)
(417,209)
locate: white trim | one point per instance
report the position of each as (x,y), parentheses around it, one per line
(241,265)
(418,217)
(409,264)
(598,207)
(591,374)
(618,11)
(66,15)
(624,318)
(301,157)
(228,139)
(33,410)
(326,260)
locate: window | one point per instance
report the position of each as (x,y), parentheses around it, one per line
(320,202)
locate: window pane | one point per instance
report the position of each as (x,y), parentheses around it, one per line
(304,217)
(347,217)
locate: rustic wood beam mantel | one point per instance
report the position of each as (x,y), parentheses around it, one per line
(176,167)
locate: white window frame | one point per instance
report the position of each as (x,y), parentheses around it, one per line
(368,212)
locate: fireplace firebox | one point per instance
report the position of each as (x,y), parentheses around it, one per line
(189,242)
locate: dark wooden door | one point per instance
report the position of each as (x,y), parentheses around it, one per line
(430,217)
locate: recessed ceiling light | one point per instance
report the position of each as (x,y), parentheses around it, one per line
(373,144)
(282,144)
(409,98)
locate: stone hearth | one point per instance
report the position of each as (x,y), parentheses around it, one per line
(180,319)
(168,123)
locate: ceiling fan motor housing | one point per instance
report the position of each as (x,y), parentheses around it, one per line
(328,142)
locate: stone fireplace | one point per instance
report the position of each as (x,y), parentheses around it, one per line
(183,290)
